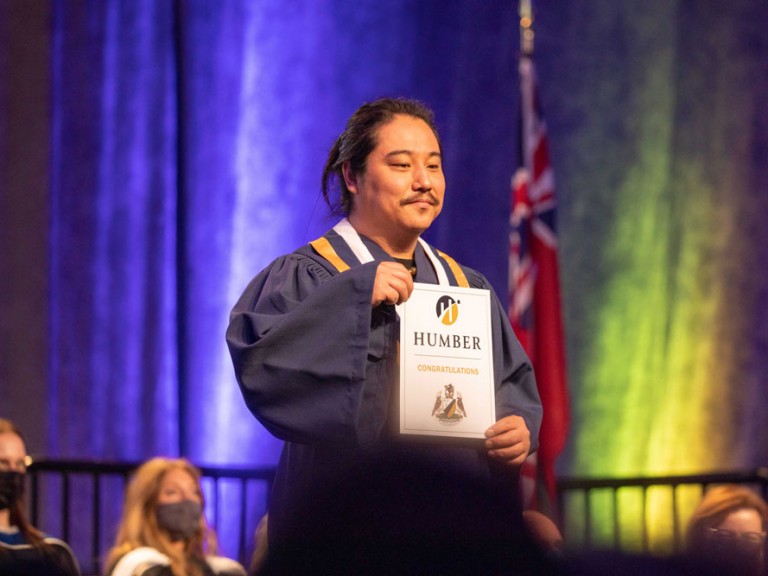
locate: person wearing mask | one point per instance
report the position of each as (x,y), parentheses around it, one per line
(163,531)
(24,550)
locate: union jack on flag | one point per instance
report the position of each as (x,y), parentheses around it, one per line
(534,290)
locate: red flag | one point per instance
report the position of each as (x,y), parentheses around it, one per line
(534,299)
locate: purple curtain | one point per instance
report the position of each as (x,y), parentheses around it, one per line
(114,195)
(188,142)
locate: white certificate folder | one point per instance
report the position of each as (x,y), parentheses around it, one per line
(446,362)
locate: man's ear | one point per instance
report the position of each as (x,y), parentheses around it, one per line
(350,179)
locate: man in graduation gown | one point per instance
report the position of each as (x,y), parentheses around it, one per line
(314,337)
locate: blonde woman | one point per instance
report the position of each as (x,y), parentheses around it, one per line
(163,531)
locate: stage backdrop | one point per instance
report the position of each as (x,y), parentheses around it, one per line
(659,119)
(187,149)
(167,151)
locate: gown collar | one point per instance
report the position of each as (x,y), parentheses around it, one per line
(347,232)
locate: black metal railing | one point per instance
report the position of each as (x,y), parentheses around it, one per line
(81,502)
(620,513)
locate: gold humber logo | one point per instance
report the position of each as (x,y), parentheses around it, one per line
(447,310)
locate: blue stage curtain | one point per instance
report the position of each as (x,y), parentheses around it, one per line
(113,272)
(188,143)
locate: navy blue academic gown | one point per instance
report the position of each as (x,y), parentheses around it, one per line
(317,366)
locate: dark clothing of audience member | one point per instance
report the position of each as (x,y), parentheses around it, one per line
(52,557)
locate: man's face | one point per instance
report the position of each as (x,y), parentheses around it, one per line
(401,190)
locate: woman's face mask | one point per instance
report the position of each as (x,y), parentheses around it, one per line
(11,488)
(179,519)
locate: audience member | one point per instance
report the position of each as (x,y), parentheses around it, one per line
(259,555)
(728,529)
(544,531)
(24,550)
(163,531)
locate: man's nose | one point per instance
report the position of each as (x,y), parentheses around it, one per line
(421,179)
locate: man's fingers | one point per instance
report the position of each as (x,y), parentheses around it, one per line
(393,284)
(505,440)
(508,440)
(506,424)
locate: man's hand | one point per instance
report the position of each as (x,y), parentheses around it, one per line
(393,284)
(508,441)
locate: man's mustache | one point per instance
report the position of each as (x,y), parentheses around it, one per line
(421,197)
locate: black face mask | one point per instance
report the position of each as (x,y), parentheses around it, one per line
(11,488)
(179,519)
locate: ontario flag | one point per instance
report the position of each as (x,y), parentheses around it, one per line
(534,292)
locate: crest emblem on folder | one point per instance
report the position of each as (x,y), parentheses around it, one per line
(449,406)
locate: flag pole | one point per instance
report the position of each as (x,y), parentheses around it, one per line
(526,28)
(535,294)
